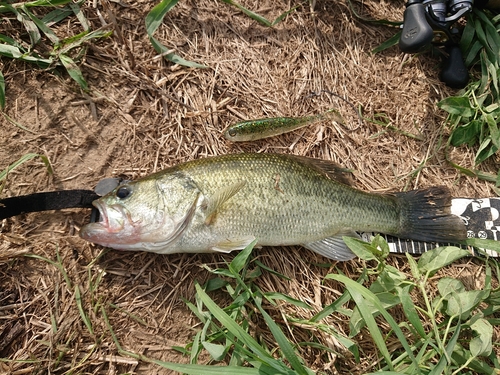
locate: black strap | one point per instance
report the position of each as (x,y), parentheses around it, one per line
(52,200)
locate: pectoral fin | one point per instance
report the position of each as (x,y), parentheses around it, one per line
(333,247)
(219,198)
(229,245)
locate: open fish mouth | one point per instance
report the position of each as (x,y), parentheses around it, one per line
(98,214)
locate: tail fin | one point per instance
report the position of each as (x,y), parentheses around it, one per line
(426,216)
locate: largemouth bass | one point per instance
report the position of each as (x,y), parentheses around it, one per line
(253,130)
(223,203)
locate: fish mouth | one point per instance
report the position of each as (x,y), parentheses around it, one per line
(99,215)
(110,223)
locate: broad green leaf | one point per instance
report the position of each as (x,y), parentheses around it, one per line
(484,244)
(361,249)
(56,16)
(14,52)
(461,356)
(434,260)
(388,279)
(79,14)
(494,131)
(473,53)
(29,25)
(155,17)
(466,134)
(467,34)
(215,284)
(486,149)
(481,345)
(463,303)
(413,266)
(217,351)
(447,285)
(457,105)
(74,71)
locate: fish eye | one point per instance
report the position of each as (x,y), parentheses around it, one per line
(123,192)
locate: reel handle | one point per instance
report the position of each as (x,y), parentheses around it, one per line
(416,33)
(454,72)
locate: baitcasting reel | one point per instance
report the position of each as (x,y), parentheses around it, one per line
(429,22)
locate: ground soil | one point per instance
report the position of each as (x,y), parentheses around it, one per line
(143,113)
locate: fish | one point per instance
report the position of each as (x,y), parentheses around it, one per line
(253,130)
(224,203)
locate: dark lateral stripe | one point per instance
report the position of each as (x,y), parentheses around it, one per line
(52,200)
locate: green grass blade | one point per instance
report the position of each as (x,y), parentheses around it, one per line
(2,91)
(81,17)
(208,370)
(46,3)
(42,26)
(283,342)
(58,265)
(24,159)
(14,52)
(337,304)
(56,16)
(257,17)
(392,41)
(15,123)
(74,71)
(153,20)
(410,311)
(241,259)
(271,296)
(30,27)
(243,337)
(359,293)
(83,315)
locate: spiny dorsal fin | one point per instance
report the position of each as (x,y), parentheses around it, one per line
(219,198)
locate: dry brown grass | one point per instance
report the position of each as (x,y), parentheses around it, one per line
(144,114)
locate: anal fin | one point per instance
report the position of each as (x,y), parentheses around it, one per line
(229,245)
(333,247)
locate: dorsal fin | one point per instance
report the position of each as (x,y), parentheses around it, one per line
(328,167)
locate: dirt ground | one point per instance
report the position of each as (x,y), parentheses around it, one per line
(143,114)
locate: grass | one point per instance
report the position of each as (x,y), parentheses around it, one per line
(450,331)
(45,49)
